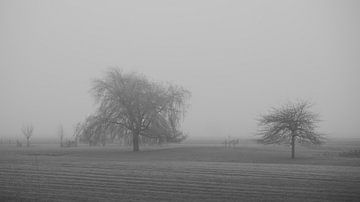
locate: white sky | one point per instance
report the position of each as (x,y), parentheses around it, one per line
(238,58)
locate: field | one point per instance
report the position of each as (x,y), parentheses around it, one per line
(248,172)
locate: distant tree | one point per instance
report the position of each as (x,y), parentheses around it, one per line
(230,142)
(291,123)
(131,102)
(77,132)
(27,130)
(61,135)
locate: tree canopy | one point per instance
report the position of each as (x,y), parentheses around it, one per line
(290,123)
(132,102)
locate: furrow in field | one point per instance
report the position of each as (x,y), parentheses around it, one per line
(107,176)
(195,176)
(152,182)
(240,172)
(123,190)
(186,180)
(94,191)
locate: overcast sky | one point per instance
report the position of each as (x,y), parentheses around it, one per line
(238,58)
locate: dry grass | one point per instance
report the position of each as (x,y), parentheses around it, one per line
(188,173)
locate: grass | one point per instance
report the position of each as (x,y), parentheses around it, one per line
(180,173)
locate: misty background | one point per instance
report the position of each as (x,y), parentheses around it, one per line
(238,59)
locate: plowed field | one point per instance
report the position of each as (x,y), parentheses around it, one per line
(177,174)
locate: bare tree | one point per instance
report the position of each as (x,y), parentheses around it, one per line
(27,131)
(145,108)
(77,132)
(61,135)
(291,123)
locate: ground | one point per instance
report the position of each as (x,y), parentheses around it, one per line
(249,172)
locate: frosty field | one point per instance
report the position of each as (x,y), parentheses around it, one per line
(178,173)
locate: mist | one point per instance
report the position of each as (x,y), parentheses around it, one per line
(237,58)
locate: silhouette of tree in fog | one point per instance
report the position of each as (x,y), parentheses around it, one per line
(290,123)
(27,131)
(61,135)
(130,101)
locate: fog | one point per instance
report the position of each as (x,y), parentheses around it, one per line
(238,59)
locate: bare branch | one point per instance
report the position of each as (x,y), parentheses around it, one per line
(134,103)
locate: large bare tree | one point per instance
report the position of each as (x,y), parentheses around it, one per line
(27,130)
(290,123)
(132,102)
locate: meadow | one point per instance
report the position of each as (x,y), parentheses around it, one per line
(184,172)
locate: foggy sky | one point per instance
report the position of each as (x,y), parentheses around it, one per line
(238,58)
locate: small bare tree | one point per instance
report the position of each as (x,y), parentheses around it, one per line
(293,122)
(27,130)
(61,135)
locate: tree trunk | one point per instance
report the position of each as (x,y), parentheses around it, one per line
(27,142)
(136,142)
(293,146)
